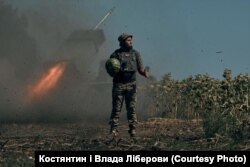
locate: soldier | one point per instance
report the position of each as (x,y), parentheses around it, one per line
(124,83)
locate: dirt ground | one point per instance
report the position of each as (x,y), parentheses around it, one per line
(19,141)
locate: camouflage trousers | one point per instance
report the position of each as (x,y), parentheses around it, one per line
(121,92)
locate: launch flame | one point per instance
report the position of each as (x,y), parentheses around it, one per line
(48,81)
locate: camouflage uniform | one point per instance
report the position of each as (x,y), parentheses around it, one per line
(124,87)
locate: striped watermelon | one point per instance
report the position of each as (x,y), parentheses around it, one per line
(113,66)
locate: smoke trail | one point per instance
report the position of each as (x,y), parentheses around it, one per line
(31,41)
(37,38)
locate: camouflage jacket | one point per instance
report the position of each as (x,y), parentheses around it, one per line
(127,76)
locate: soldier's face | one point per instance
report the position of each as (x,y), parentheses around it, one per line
(128,42)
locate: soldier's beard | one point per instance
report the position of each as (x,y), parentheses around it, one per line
(125,46)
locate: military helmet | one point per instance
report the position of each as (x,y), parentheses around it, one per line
(112,66)
(124,36)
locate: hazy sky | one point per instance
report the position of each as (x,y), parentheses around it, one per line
(183,37)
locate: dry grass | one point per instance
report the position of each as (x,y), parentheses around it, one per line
(19,141)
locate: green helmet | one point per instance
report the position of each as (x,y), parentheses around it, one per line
(113,66)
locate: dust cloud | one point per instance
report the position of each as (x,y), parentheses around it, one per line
(36,39)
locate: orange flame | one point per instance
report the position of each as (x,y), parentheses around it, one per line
(48,81)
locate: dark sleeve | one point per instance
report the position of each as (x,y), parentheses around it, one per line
(114,55)
(140,67)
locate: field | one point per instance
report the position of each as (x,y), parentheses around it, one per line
(19,141)
(51,84)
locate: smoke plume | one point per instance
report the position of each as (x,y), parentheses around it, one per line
(37,39)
